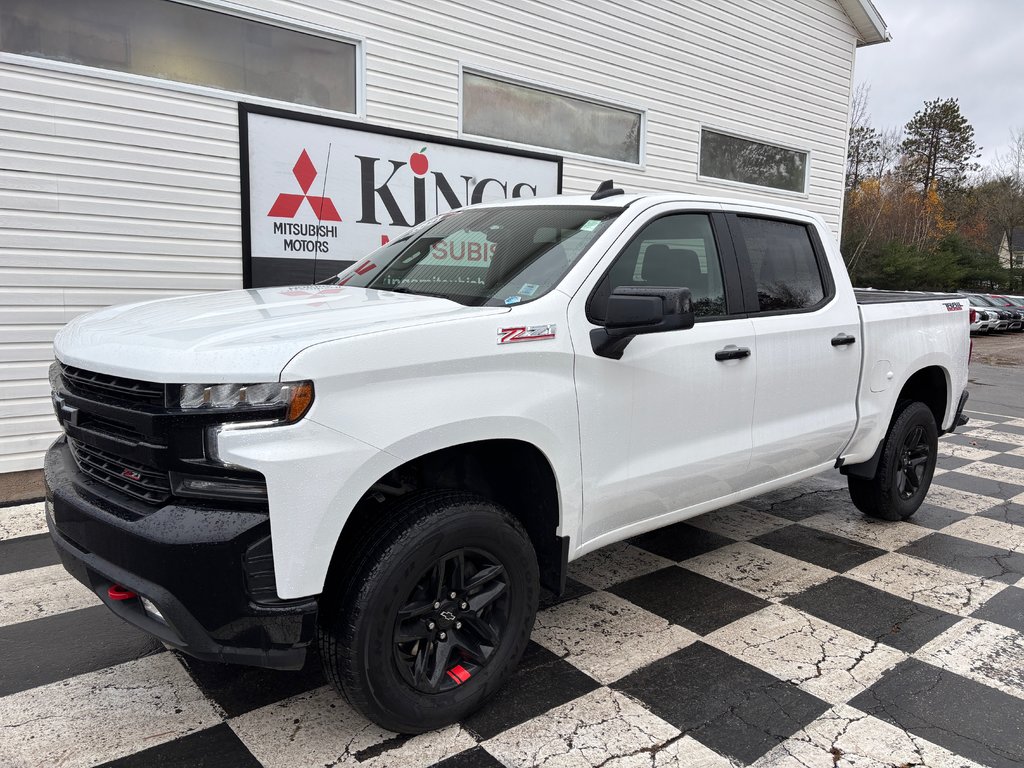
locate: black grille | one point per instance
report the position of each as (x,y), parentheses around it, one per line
(122,435)
(115,389)
(145,484)
(116,429)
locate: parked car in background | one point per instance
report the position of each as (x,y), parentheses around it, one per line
(1016,314)
(1007,305)
(1002,318)
(981,320)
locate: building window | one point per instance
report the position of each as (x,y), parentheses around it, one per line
(173,41)
(752,162)
(499,109)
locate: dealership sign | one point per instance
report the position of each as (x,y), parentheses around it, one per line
(322,193)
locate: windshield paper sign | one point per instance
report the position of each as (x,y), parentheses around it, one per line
(334,191)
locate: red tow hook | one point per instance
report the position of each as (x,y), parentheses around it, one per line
(117,592)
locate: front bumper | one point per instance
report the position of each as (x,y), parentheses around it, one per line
(205,567)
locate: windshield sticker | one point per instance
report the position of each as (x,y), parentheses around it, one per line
(590,225)
(528,289)
(525,333)
(513,300)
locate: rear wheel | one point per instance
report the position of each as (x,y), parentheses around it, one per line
(905,468)
(436,614)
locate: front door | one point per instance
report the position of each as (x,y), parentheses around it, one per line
(667,426)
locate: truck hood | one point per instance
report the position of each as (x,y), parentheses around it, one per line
(235,335)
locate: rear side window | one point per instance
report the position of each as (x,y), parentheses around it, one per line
(676,251)
(783,262)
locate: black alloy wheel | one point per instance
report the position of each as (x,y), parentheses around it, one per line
(913,463)
(905,467)
(428,609)
(452,622)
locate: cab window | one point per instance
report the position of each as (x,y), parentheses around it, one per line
(783,262)
(676,251)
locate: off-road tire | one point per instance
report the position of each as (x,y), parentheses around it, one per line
(358,621)
(892,494)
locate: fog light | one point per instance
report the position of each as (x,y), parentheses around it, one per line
(255,490)
(151,610)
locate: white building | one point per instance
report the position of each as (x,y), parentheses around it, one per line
(122,163)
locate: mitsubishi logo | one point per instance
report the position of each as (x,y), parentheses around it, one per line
(287,205)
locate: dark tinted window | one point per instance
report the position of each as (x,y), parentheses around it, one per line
(672,252)
(783,262)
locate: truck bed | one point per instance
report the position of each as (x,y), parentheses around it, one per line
(872,296)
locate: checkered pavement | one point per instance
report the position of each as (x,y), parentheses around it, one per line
(785,631)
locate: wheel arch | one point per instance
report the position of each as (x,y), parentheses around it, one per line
(930,385)
(512,472)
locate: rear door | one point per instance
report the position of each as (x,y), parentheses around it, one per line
(668,425)
(806,324)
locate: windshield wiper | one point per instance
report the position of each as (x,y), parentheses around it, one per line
(410,291)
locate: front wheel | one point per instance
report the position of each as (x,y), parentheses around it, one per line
(905,468)
(435,616)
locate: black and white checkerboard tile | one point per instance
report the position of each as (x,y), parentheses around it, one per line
(787,631)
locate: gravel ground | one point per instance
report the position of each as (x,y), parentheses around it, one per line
(999,349)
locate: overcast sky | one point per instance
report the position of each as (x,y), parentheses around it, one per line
(971,50)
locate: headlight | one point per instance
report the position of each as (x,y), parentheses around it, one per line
(294,396)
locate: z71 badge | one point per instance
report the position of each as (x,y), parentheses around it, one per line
(525,333)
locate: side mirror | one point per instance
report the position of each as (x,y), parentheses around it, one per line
(636,310)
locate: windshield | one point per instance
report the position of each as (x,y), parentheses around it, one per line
(484,257)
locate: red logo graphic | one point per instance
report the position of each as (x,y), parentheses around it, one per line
(131,474)
(362,269)
(418,162)
(286,206)
(525,333)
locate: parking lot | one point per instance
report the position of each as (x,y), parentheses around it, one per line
(1003,349)
(784,631)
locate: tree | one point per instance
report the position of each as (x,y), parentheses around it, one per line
(939,147)
(864,144)
(1009,212)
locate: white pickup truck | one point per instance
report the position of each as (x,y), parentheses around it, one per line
(394,463)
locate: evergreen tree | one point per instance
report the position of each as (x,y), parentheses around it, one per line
(939,147)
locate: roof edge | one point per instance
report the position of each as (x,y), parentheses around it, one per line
(870,26)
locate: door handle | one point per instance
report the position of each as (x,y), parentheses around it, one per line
(843,339)
(732,353)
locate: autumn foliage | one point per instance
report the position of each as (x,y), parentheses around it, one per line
(919,213)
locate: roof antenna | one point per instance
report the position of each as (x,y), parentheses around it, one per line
(605,189)
(320,210)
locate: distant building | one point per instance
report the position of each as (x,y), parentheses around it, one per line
(1011,249)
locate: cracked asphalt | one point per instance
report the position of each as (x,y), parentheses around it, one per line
(785,631)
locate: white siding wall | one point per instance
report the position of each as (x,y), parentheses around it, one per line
(111,191)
